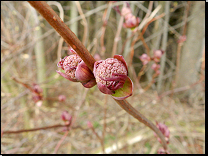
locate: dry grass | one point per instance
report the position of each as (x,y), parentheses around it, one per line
(184,117)
(186,124)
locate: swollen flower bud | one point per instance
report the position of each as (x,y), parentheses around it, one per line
(111,77)
(131,21)
(69,65)
(76,70)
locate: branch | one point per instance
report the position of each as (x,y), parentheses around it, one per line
(53,19)
(37,129)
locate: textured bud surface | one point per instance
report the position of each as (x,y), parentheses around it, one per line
(70,63)
(112,77)
(76,71)
(107,67)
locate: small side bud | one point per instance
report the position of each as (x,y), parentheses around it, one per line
(155,67)
(165,131)
(157,55)
(61,98)
(182,39)
(65,116)
(145,59)
(89,124)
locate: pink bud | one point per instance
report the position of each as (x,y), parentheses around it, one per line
(165,131)
(69,65)
(111,74)
(62,98)
(36,88)
(37,97)
(65,116)
(157,55)
(89,124)
(131,21)
(76,70)
(144,58)
(182,39)
(155,67)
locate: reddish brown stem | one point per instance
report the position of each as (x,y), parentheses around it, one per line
(53,19)
(144,43)
(145,27)
(131,110)
(37,129)
(59,143)
(25,85)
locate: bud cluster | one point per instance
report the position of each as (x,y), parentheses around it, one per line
(157,54)
(111,75)
(130,20)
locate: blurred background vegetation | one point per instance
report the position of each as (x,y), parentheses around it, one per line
(31,49)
